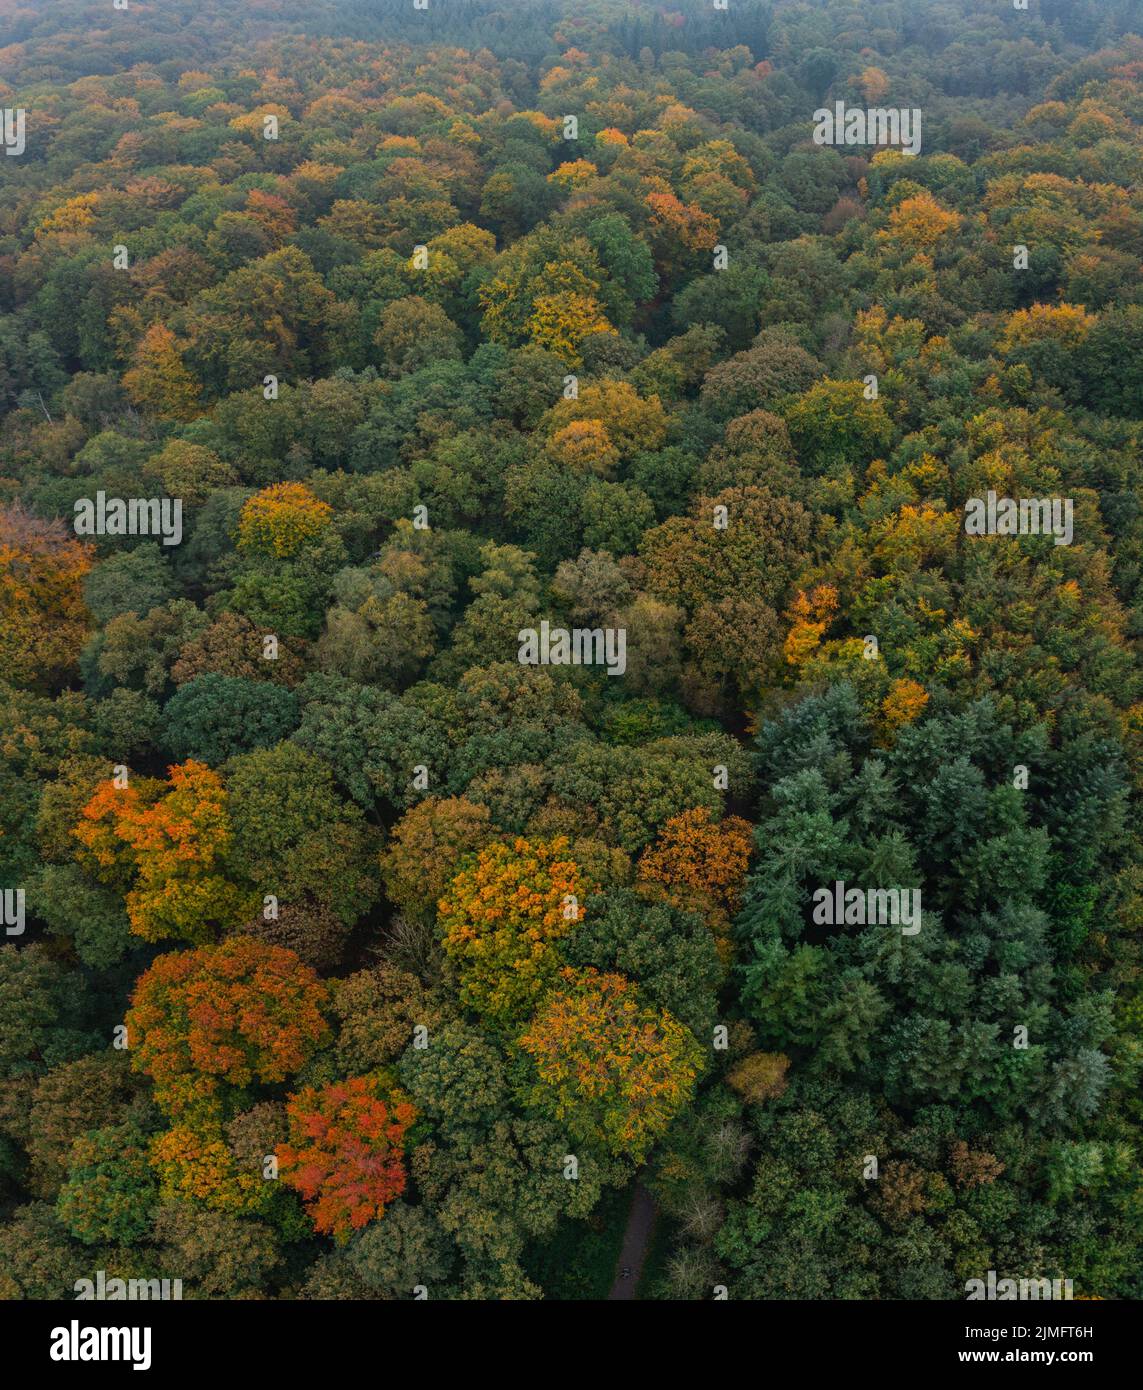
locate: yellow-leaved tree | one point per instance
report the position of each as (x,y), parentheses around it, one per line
(281,519)
(159,382)
(502,917)
(610,1068)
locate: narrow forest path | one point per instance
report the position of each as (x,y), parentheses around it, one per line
(636,1240)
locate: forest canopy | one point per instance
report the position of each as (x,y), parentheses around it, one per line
(603,647)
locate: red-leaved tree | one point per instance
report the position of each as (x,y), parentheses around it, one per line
(207,1025)
(345,1154)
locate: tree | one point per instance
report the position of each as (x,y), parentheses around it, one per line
(695,856)
(632,791)
(159,381)
(758,377)
(312,930)
(216,1254)
(426,847)
(43,618)
(375,633)
(39,1260)
(282,519)
(760,1077)
(171,849)
(190,471)
(731,578)
(615,1071)
(270,315)
(372,741)
(669,953)
(139,651)
(502,919)
(919,222)
(1108,362)
(584,446)
(757,553)
(615,516)
(110,1191)
(904,703)
(294,837)
(679,231)
(208,1024)
(93,1092)
(213,717)
(405,1250)
(560,322)
(380,1011)
(132,582)
(458,1084)
(834,428)
(345,1153)
(592,587)
(34,1010)
(194,1164)
(233,645)
(629,422)
(413,333)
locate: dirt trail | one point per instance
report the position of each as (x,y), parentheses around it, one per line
(636,1239)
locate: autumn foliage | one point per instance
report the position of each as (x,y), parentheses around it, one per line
(918,223)
(425,846)
(811,614)
(695,855)
(195,1164)
(281,519)
(170,848)
(760,1077)
(208,1024)
(905,702)
(43,618)
(560,322)
(501,918)
(678,230)
(159,382)
(614,1070)
(345,1154)
(569,321)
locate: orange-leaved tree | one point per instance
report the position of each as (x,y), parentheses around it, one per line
(905,703)
(700,861)
(502,917)
(614,1071)
(345,1154)
(169,848)
(810,615)
(43,618)
(207,1025)
(678,231)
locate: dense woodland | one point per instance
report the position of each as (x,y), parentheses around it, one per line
(299,1009)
